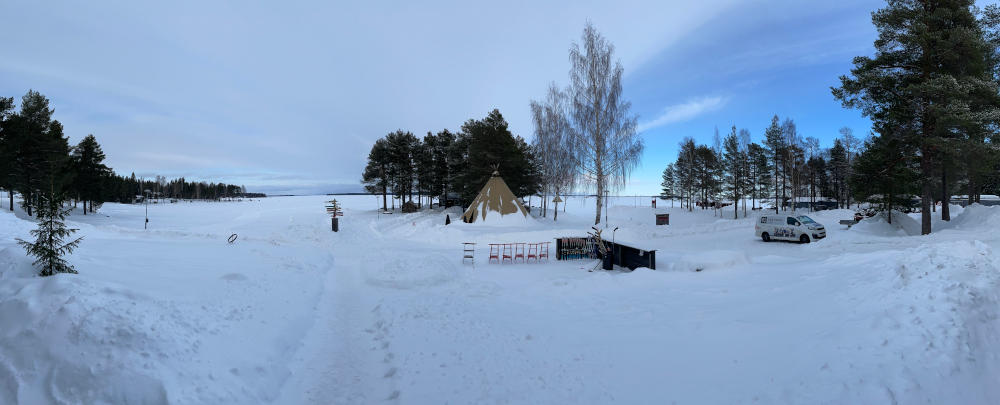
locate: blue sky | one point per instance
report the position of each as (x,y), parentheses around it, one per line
(288,97)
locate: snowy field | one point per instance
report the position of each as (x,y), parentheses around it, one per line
(385,312)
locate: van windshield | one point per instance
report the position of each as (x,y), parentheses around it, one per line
(806,220)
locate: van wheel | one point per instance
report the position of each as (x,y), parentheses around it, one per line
(765,237)
(804,239)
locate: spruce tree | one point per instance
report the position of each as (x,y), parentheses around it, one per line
(49,245)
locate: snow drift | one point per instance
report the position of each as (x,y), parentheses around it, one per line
(902,225)
(712,260)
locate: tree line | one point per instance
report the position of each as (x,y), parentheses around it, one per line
(38,163)
(35,156)
(783,168)
(450,165)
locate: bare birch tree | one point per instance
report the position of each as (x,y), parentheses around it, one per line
(554,145)
(608,147)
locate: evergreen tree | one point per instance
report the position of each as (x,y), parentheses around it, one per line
(8,151)
(686,171)
(49,246)
(441,151)
(885,175)
(52,177)
(668,183)
(375,177)
(489,143)
(90,171)
(929,69)
(760,176)
(774,144)
(732,163)
(838,172)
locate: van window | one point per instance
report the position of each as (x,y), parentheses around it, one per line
(792,221)
(806,220)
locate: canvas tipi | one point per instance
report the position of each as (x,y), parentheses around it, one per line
(495,200)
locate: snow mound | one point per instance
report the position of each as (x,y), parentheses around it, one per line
(933,305)
(712,260)
(902,225)
(75,347)
(976,217)
(408,272)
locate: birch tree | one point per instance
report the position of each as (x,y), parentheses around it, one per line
(554,146)
(609,147)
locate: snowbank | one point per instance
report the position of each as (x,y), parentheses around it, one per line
(902,225)
(712,260)
(928,310)
(976,217)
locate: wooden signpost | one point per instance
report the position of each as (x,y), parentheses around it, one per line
(333,208)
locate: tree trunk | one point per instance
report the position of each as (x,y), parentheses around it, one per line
(555,212)
(945,197)
(925,200)
(599,175)
(84,207)
(776,182)
(972,188)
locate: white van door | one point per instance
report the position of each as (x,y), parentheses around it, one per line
(786,228)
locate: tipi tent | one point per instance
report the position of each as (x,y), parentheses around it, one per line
(495,197)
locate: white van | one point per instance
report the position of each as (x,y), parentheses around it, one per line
(789,227)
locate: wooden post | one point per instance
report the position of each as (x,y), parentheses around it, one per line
(336,224)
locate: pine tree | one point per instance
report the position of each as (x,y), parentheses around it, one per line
(90,171)
(669,182)
(375,177)
(8,151)
(732,163)
(774,144)
(885,175)
(443,142)
(838,172)
(924,84)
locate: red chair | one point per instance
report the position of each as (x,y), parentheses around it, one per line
(543,251)
(532,252)
(518,252)
(494,253)
(507,253)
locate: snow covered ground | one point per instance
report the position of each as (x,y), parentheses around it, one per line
(385,312)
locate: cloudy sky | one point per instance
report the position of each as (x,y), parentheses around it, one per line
(287,97)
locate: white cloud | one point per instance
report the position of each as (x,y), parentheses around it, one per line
(684,112)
